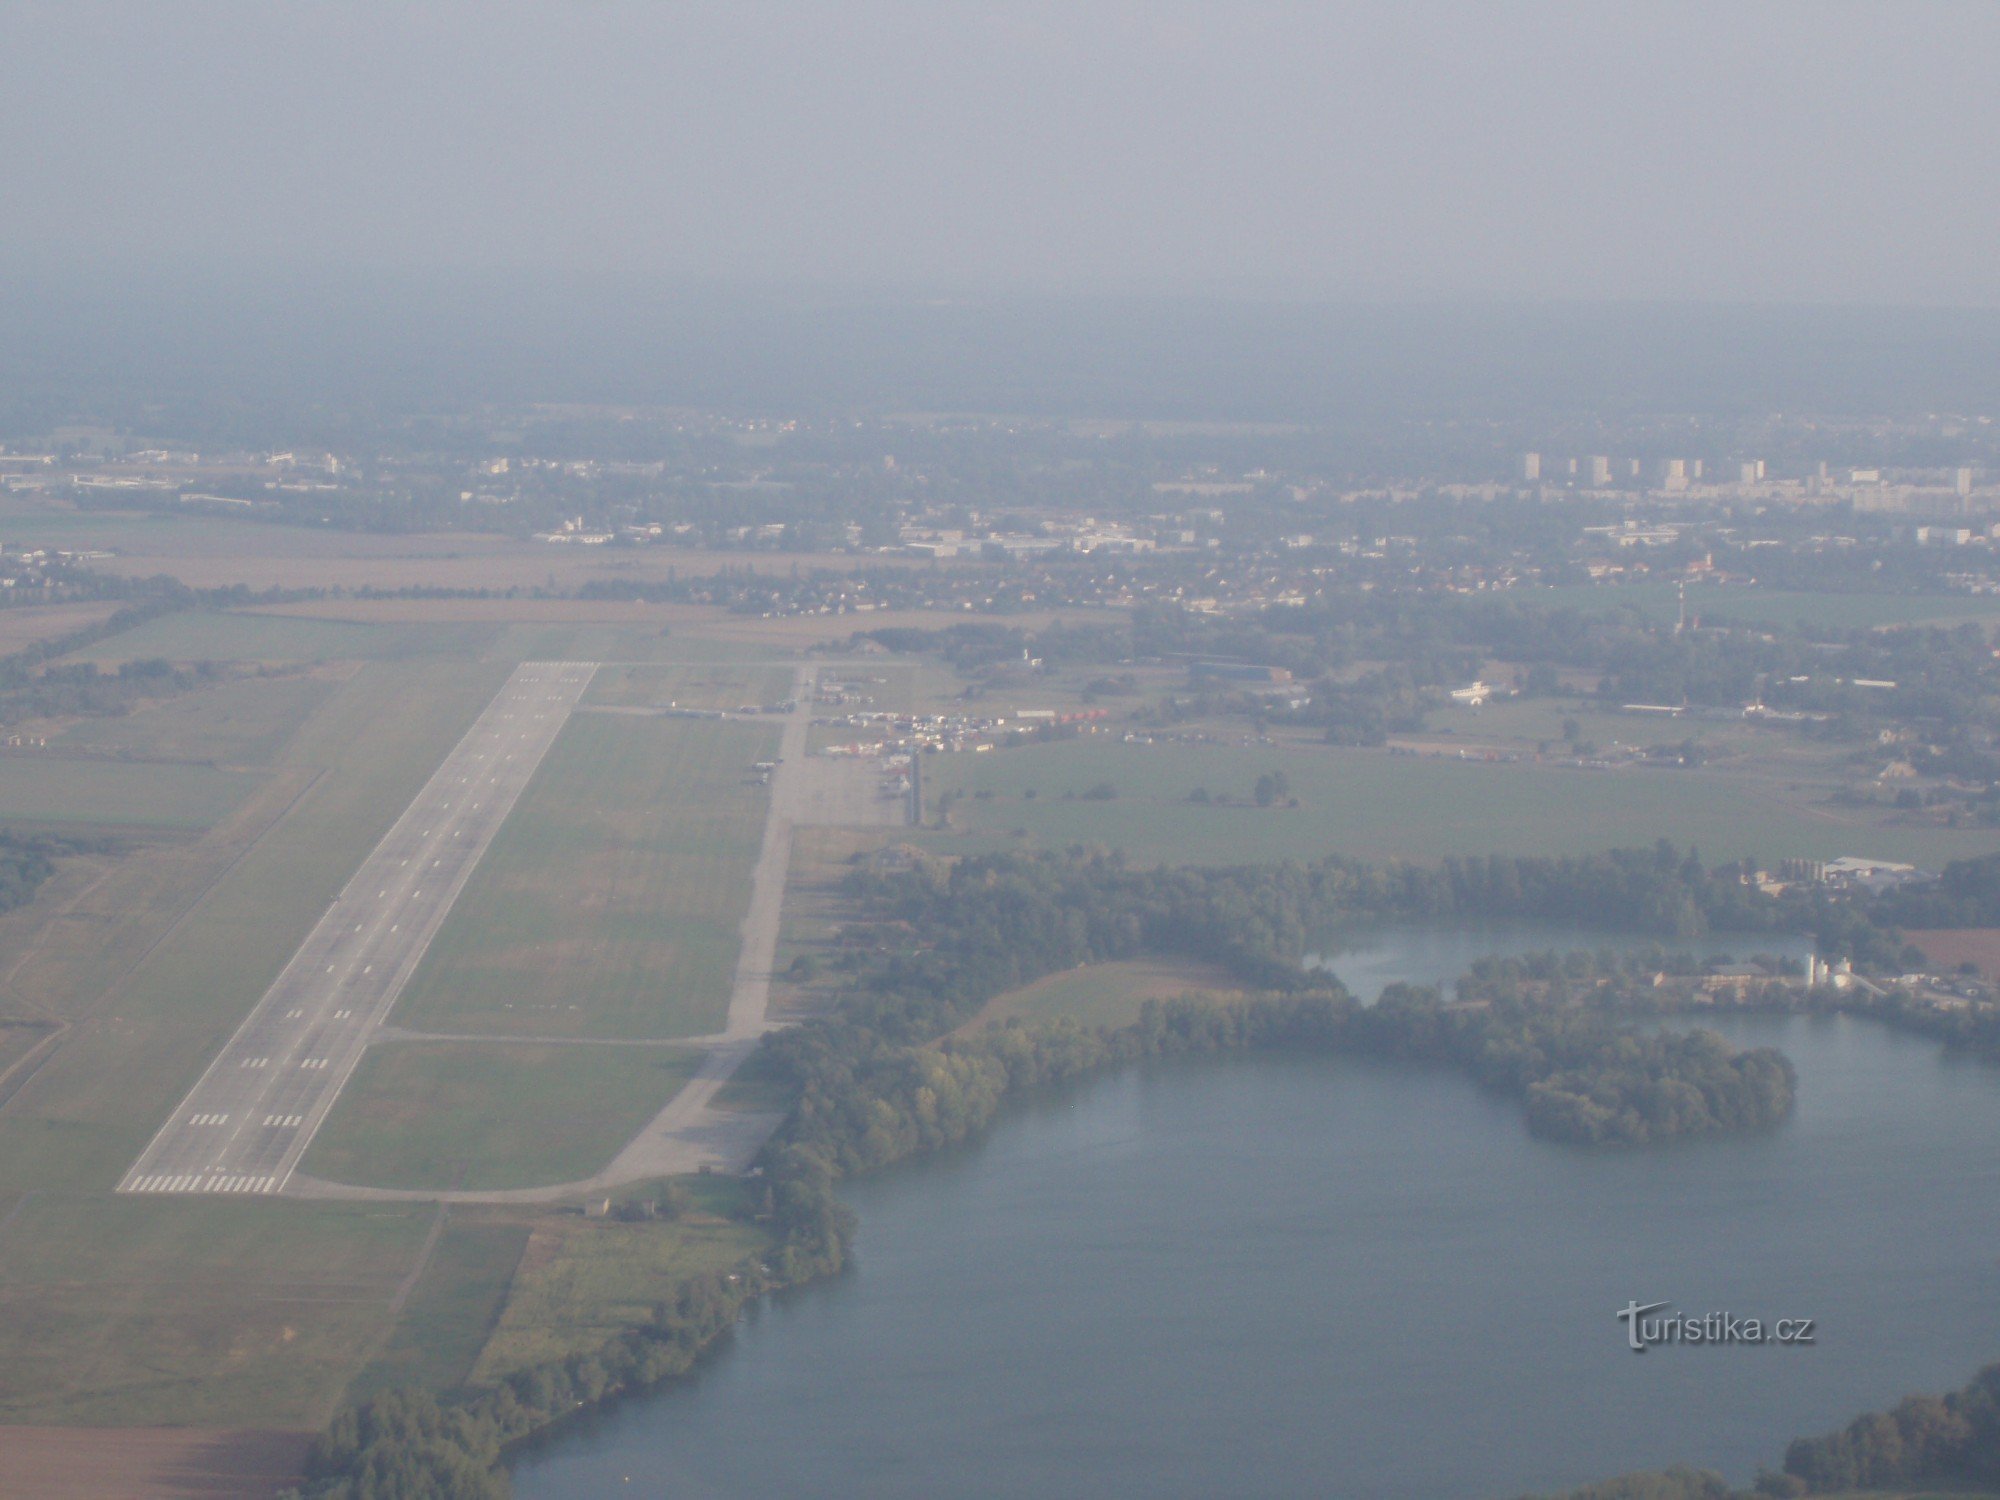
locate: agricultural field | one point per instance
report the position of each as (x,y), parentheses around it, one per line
(1374,805)
(491,1114)
(608,905)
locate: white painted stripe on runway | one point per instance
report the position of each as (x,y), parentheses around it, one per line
(256,1155)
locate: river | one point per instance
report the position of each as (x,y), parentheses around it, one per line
(1259,1276)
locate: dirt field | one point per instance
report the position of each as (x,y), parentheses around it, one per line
(1949,949)
(158,1463)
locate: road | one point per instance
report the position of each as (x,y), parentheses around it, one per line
(250,1117)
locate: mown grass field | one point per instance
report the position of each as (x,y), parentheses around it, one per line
(128,1311)
(1104,994)
(1370,804)
(24,624)
(1719,604)
(491,1114)
(580,1282)
(202,1311)
(454,1306)
(39,787)
(725,685)
(216,635)
(245,722)
(167,1311)
(621,643)
(609,903)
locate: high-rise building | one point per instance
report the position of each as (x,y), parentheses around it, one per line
(1600,470)
(1963,482)
(1531,466)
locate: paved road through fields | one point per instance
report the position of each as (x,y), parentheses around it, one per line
(246,1123)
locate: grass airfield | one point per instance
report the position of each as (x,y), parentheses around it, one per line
(605,914)
(238,810)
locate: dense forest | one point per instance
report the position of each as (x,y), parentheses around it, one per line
(1260,920)
(875,1083)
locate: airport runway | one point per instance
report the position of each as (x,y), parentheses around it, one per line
(246,1123)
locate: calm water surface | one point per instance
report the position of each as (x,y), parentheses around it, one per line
(1368,961)
(1291,1277)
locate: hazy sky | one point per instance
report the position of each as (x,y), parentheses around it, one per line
(1764,150)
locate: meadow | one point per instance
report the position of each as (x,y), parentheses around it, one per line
(453,1305)
(491,1114)
(1110,994)
(22,625)
(125,1311)
(581,1282)
(1374,805)
(608,905)
(246,636)
(243,722)
(616,888)
(40,788)
(724,685)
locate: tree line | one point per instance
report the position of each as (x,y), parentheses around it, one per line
(1951,1441)
(884,1077)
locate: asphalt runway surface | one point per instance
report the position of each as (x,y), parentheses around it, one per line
(246,1123)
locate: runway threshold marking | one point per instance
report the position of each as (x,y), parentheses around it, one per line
(248,1120)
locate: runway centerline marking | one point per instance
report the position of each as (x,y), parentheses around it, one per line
(245,1124)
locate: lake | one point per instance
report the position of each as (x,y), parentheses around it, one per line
(1368,960)
(1261,1276)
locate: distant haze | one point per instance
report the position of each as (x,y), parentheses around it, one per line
(1782,152)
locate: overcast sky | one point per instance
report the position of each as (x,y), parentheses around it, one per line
(1776,151)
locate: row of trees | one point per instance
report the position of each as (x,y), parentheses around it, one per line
(884,1079)
(1261,919)
(1950,1441)
(408,1445)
